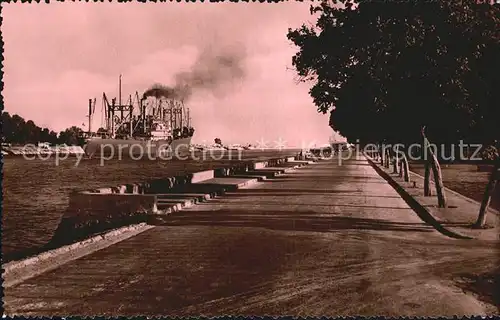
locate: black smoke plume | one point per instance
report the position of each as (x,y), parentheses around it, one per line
(213,70)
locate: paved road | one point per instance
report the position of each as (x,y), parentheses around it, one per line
(323,240)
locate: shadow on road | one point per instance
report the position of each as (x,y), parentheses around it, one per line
(307,176)
(286,192)
(274,203)
(332,179)
(298,192)
(486,285)
(283,220)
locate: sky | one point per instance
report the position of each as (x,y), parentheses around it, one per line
(58,56)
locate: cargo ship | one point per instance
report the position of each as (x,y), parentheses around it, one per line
(155,124)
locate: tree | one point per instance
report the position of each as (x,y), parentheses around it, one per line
(7,127)
(72,136)
(384,70)
(18,131)
(31,132)
(18,134)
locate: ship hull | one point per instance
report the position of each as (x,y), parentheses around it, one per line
(137,149)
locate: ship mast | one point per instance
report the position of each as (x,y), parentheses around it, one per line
(120,90)
(119,124)
(90,116)
(180,115)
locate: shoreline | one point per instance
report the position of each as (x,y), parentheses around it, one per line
(48,211)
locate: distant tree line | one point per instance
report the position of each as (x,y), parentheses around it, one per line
(16,130)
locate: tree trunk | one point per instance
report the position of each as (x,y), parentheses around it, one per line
(396,162)
(387,158)
(401,170)
(438,177)
(490,187)
(427,179)
(438,181)
(406,167)
(382,156)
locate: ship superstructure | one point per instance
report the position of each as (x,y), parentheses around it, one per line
(158,121)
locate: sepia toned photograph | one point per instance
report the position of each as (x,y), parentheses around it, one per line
(250,158)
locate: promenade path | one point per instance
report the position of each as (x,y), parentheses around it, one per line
(325,239)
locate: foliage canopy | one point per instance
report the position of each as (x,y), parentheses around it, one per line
(385,69)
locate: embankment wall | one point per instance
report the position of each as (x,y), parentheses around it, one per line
(91,212)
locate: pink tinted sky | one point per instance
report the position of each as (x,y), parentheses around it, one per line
(58,56)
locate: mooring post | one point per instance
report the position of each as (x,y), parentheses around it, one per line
(493,183)
(406,167)
(395,161)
